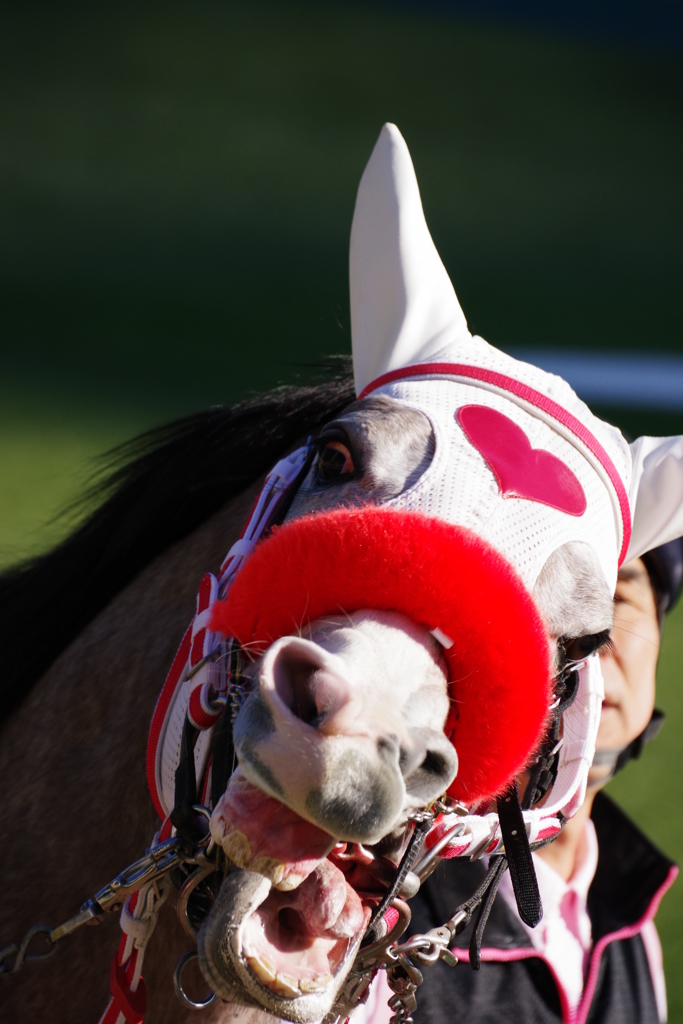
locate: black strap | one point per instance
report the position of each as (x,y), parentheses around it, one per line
(492,880)
(182,815)
(407,861)
(518,854)
(633,751)
(223,757)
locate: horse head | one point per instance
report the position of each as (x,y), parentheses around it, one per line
(451,546)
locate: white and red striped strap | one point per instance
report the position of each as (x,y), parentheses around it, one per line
(199,642)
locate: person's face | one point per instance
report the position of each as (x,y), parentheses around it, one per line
(630,666)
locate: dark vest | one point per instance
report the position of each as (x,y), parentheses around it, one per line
(515,984)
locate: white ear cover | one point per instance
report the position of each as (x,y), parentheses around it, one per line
(656,493)
(403,306)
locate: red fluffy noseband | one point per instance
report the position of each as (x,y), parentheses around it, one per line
(441,576)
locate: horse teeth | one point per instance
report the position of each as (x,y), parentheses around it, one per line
(270,868)
(292,881)
(237,848)
(286,985)
(318,984)
(263,970)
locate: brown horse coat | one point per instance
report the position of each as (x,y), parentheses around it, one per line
(78,742)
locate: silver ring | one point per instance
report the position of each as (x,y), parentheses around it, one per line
(178,984)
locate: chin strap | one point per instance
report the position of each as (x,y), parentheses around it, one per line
(617,758)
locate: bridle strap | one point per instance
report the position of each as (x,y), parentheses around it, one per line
(518,855)
(412,852)
(223,758)
(183,815)
(484,897)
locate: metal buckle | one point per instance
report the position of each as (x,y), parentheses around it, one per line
(190,1004)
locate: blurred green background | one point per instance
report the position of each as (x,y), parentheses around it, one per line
(176,189)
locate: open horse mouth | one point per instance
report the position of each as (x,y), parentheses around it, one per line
(316,778)
(296,941)
(284,930)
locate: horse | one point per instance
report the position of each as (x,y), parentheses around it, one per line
(74,739)
(442,565)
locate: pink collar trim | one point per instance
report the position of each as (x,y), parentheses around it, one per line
(579,1016)
(624,933)
(539,401)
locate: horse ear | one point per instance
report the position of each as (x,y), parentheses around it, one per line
(403,306)
(656,494)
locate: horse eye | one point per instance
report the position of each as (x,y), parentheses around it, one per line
(334,462)
(583,646)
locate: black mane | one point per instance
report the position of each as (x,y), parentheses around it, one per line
(160,487)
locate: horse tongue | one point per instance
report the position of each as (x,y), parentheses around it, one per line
(260,834)
(328,904)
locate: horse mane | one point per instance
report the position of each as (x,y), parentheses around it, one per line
(153,491)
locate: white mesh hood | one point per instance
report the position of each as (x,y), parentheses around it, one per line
(461,487)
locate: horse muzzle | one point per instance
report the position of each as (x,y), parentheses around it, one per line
(322,735)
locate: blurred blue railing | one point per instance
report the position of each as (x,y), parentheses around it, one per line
(612,379)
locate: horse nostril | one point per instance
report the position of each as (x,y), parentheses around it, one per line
(434,763)
(432,767)
(306,681)
(294,685)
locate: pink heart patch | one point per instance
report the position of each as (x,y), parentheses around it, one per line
(521,471)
